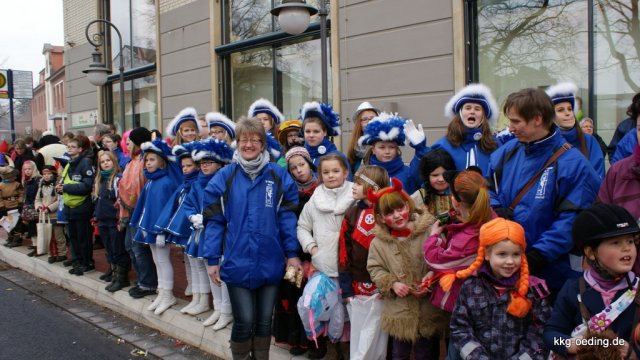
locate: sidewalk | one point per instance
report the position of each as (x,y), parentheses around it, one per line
(186,328)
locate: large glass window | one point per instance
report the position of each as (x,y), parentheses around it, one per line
(524,43)
(259,62)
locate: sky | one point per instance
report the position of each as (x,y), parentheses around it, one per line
(25,27)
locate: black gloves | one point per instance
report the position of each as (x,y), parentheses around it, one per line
(536,261)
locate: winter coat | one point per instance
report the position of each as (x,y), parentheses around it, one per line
(253,221)
(548,209)
(566,315)
(625,146)
(319,225)
(445,254)
(105,211)
(621,130)
(130,186)
(392,260)
(435,204)
(123,159)
(355,238)
(79,170)
(30,190)
(153,198)
(594,152)
(468,153)
(48,197)
(12,194)
(397,169)
(173,219)
(621,186)
(192,205)
(481,328)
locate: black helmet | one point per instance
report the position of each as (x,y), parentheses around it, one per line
(600,222)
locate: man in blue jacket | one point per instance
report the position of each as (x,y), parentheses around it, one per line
(561,187)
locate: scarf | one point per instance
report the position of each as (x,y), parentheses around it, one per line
(189,178)
(486,273)
(606,286)
(252,167)
(106,173)
(312,183)
(203,179)
(393,167)
(156,174)
(402,233)
(324,148)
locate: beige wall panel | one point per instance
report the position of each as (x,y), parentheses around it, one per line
(422,76)
(186,82)
(185,15)
(84,102)
(381,15)
(172,105)
(185,37)
(185,60)
(407,43)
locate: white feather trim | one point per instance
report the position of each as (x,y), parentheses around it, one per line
(264,103)
(310,106)
(188,111)
(213,117)
(565,88)
(473,89)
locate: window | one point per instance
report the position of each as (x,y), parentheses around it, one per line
(519,43)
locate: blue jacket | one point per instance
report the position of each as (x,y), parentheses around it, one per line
(173,219)
(625,146)
(468,153)
(397,169)
(105,210)
(548,209)
(596,158)
(193,205)
(252,222)
(123,159)
(153,198)
(566,315)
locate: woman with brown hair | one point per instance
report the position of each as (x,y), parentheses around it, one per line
(355,152)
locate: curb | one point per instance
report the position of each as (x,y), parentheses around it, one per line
(186,328)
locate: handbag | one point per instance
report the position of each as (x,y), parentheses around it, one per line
(368,342)
(29,213)
(44,229)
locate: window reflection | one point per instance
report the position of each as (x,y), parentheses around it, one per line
(251,78)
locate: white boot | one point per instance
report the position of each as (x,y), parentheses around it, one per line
(212,319)
(156,301)
(193,303)
(167,300)
(201,306)
(225,319)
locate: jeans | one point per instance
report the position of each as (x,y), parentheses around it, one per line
(252,311)
(141,259)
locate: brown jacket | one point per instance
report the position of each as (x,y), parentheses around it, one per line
(12,195)
(392,260)
(48,197)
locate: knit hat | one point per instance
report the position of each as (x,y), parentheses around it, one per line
(563,92)
(212,149)
(286,127)
(324,112)
(49,168)
(185,115)
(221,120)
(298,150)
(158,147)
(601,222)
(265,106)
(491,233)
(473,93)
(139,135)
(365,106)
(384,127)
(4,147)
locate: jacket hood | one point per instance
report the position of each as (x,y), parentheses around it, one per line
(336,200)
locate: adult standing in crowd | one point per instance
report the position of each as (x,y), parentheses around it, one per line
(588,127)
(469,139)
(356,152)
(633,111)
(562,182)
(256,225)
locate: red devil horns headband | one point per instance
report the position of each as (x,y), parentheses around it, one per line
(396,186)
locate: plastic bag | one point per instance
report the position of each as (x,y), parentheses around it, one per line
(320,308)
(10,221)
(370,342)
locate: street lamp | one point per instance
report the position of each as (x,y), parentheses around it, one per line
(293,16)
(97,72)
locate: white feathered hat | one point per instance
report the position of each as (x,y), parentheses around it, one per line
(563,92)
(186,114)
(221,120)
(473,93)
(265,106)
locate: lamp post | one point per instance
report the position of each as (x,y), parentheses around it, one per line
(293,16)
(97,72)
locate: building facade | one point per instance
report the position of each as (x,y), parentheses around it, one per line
(48,107)
(405,56)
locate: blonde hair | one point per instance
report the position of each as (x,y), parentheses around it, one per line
(35,173)
(374,173)
(179,140)
(114,173)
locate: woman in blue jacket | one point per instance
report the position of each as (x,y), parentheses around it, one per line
(249,215)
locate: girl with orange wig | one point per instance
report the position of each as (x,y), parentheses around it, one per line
(501,310)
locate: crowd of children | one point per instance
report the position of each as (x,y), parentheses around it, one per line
(487,244)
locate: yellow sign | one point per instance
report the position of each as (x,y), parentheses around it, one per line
(4,87)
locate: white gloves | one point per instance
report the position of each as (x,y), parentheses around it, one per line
(160,240)
(196,220)
(415,135)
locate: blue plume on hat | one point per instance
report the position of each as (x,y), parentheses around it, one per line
(473,93)
(221,120)
(212,149)
(183,151)
(160,148)
(563,92)
(384,127)
(273,146)
(324,112)
(265,106)
(186,114)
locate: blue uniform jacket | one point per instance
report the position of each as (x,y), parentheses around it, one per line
(252,222)
(193,204)
(596,158)
(468,153)
(625,146)
(173,219)
(153,198)
(397,169)
(566,315)
(548,209)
